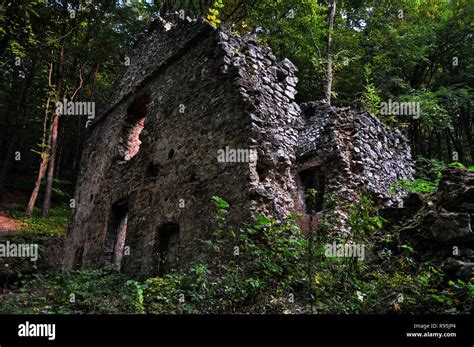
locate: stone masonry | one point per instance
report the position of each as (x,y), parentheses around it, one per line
(150,166)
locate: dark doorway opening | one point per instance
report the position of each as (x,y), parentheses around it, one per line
(116,233)
(314,183)
(167,247)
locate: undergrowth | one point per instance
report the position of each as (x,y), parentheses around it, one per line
(267,267)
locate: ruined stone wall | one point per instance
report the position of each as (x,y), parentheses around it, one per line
(356,152)
(173,176)
(189,92)
(204,90)
(385,157)
(268,91)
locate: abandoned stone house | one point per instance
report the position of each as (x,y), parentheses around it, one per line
(150,166)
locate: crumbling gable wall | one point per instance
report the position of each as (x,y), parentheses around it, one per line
(204,90)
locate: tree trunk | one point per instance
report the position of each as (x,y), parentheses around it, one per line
(54,138)
(328,88)
(39,178)
(44,154)
(52,159)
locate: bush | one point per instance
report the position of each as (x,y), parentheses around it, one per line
(87,291)
(161,294)
(266,267)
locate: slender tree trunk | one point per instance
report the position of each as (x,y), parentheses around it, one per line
(52,160)
(54,138)
(39,178)
(328,87)
(44,155)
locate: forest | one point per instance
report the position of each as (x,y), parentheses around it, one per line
(409,63)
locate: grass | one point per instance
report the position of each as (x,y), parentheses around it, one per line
(55,225)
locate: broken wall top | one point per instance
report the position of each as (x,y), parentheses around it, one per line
(159,47)
(372,156)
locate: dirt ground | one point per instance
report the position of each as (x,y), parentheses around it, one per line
(8,224)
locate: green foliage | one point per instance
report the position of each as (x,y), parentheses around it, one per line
(90,291)
(433,113)
(364,219)
(161,294)
(241,266)
(368,40)
(55,225)
(46,233)
(221,210)
(430,170)
(418,185)
(370,96)
(137,302)
(330,202)
(268,266)
(221,204)
(213,13)
(457,164)
(312,193)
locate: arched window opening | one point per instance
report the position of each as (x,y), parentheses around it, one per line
(130,141)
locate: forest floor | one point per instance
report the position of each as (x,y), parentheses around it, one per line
(16,227)
(278,271)
(7,201)
(8,224)
(13,203)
